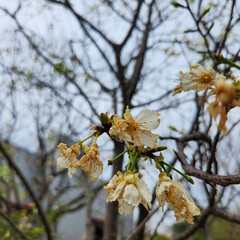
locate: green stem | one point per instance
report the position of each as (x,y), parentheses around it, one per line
(189,179)
(133,162)
(97,135)
(165,170)
(110,162)
(160,148)
(227,61)
(88,138)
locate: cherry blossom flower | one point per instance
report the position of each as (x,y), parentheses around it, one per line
(135,131)
(67,157)
(172,192)
(198,78)
(129,191)
(91,163)
(225,100)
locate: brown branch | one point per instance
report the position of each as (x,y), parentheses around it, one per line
(133,25)
(37,50)
(140,60)
(213,152)
(29,190)
(225,215)
(228,28)
(81,19)
(199,29)
(141,225)
(208,177)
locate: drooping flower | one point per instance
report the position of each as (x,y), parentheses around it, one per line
(172,192)
(90,162)
(198,78)
(67,157)
(225,99)
(136,131)
(129,191)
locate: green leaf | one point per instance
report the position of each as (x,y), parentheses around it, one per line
(211,26)
(205,12)
(190,30)
(61,68)
(173,128)
(176,4)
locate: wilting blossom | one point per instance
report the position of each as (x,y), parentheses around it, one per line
(225,99)
(198,78)
(136,131)
(67,157)
(90,162)
(129,191)
(173,193)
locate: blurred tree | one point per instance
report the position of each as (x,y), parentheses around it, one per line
(64,62)
(215,228)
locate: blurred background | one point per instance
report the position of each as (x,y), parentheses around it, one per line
(62,63)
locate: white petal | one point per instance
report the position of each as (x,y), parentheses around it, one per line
(71,172)
(194,210)
(181,188)
(118,191)
(145,194)
(149,139)
(96,171)
(198,69)
(112,182)
(124,207)
(190,85)
(148,119)
(131,195)
(186,78)
(62,162)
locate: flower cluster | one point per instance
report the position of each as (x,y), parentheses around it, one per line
(225,99)
(198,78)
(129,191)
(68,157)
(135,131)
(172,192)
(226,94)
(90,162)
(128,188)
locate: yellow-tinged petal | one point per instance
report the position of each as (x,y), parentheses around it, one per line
(117,193)
(134,131)
(130,191)
(131,195)
(225,100)
(145,194)
(68,157)
(91,163)
(173,193)
(198,78)
(124,207)
(149,139)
